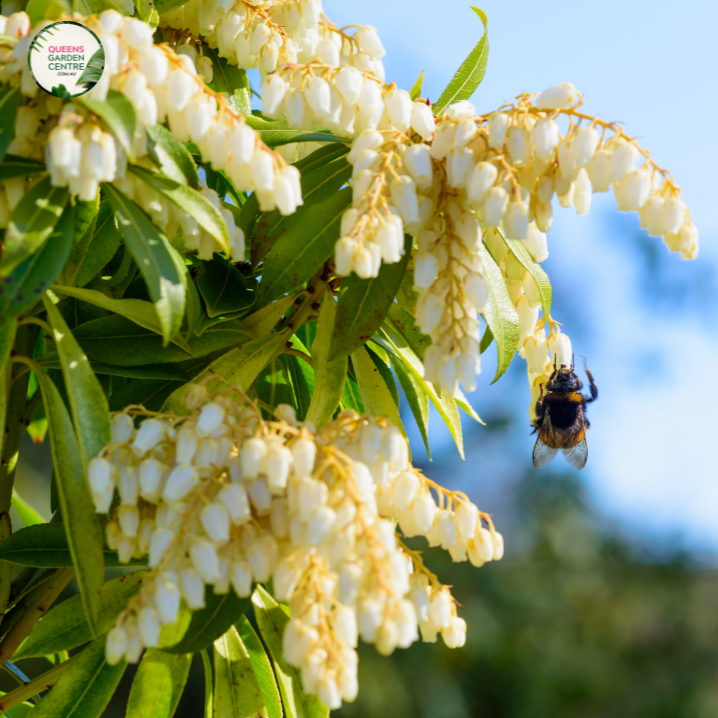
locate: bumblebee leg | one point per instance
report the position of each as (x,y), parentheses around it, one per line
(539,409)
(591,383)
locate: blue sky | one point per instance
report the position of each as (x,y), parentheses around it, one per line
(650,65)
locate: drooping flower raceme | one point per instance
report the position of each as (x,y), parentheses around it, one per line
(225,499)
(162,85)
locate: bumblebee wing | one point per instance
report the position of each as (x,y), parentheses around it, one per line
(577,455)
(543,454)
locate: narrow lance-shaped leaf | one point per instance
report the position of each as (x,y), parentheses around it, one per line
(329,375)
(14,166)
(236,689)
(46,546)
(85,688)
(469,76)
(82,525)
(188,200)
(518,249)
(9,103)
(7,341)
(275,134)
(223,287)
(136,310)
(415,91)
(161,266)
(262,668)
(323,172)
(160,679)
(271,619)
(304,248)
(90,411)
(416,397)
(500,314)
(228,78)
(208,685)
(407,343)
(32,223)
(363,304)
(85,220)
(118,116)
(171,156)
(378,400)
(210,622)
(65,627)
(26,283)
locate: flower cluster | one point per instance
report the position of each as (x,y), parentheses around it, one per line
(225,499)
(162,85)
(268,35)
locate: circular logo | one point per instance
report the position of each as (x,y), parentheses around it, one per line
(66,59)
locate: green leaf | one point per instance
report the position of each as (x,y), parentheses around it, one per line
(275,134)
(136,310)
(239,367)
(262,668)
(104,243)
(271,619)
(380,357)
(9,104)
(416,90)
(65,627)
(329,375)
(208,688)
(85,220)
(486,340)
(159,681)
(162,268)
(210,622)
(147,13)
(236,689)
(7,342)
(500,314)
(189,200)
(26,283)
(90,411)
(323,173)
(363,304)
(518,249)
(165,6)
(296,373)
(116,341)
(14,166)
(229,79)
(416,397)
(351,396)
(28,515)
(376,395)
(273,385)
(46,546)
(304,248)
(469,76)
(408,344)
(223,287)
(32,222)
(117,115)
(84,535)
(265,319)
(85,688)
(171,156)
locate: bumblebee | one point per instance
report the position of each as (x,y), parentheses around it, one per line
(561,421)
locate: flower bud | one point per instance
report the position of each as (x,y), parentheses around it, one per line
(584,144)
(417,161)
(480,181)
(559,347)
(215,521)
(102,484)
(253,452)
(495,205)
(192,589)
(545,137)
(122,428)
(181,481)
(148,625)
(423,121)
(498,127)
(115,645)
(204,559)
(399,108)
(557,97)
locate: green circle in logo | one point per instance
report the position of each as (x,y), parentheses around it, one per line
(66,59)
